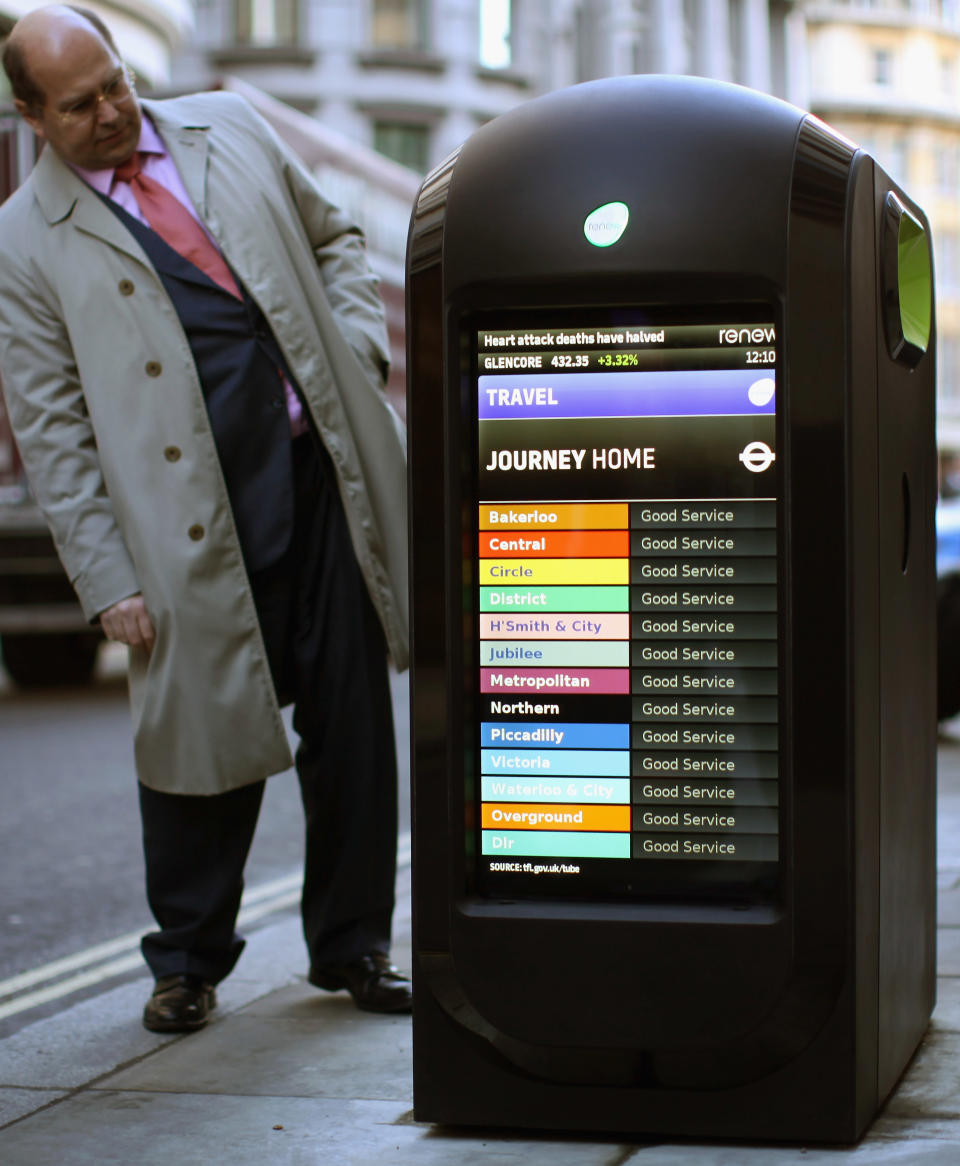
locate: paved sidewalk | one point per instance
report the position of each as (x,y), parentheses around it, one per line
(288,1076)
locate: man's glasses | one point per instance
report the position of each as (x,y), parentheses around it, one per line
(118,91)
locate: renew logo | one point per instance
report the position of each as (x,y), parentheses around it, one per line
(604,226)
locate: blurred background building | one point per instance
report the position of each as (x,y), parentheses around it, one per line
(376,92)
(414,78)
(149,31)
(887,73)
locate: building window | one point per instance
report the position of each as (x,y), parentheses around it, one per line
(399,24)
(496,34)
(948,391)
(947,76)
(736,23)
(405,142)
(947,163)
(945,260)
(587,44)
(266,22)
(882,67)
(898,158)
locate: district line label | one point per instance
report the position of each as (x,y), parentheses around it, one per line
(568,600)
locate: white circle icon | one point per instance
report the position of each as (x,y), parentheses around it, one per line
(604,226)
(761,391)
(757,457)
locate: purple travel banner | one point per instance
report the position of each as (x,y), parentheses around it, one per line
(678,393)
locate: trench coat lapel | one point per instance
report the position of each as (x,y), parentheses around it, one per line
(188,149)
(62,195)
(188,143)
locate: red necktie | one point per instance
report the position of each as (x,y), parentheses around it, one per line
(175,225)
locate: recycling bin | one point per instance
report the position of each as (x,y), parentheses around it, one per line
(672,481)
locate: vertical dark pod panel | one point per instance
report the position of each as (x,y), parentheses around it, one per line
(907,491)
(430,450)
(670,411)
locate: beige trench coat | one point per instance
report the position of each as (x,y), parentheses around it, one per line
(100,383)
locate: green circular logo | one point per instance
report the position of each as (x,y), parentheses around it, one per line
(604,226)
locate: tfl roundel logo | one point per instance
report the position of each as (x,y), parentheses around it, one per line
(604,226)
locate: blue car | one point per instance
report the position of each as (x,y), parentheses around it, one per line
(948,535)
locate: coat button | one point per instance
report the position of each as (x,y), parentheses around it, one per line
(196,532)
(171,453)
(153,368)
(126,287)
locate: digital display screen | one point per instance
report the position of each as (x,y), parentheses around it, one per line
(626,660)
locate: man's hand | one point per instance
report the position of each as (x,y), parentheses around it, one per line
(127,622)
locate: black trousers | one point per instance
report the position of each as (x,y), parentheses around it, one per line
(328,657)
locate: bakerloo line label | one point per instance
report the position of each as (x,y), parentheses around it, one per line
(511,517)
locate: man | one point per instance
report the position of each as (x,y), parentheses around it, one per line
(193,351)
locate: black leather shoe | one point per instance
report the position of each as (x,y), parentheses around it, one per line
(179,1003)
(372,980)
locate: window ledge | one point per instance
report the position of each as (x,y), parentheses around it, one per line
(506,76)
(401,59)
(242,54)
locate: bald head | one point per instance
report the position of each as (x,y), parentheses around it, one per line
(47,31)
(71,87)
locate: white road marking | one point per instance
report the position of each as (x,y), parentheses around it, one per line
(118,956)
(64,988)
